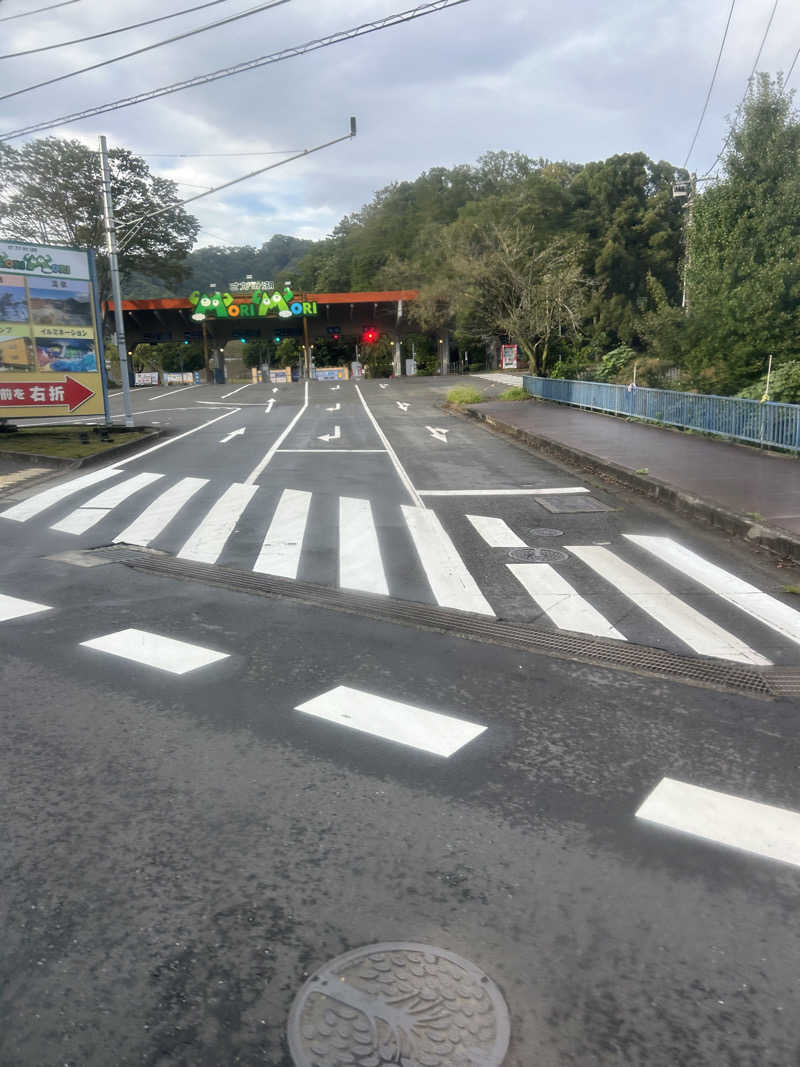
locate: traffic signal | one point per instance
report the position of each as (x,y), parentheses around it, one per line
(370,336)
(334,332)
(277,338)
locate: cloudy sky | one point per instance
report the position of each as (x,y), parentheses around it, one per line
(577,80)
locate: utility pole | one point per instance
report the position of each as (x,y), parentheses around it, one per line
(688,190)
(116,292)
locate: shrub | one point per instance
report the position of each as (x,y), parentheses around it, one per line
(463,394)
(515,393)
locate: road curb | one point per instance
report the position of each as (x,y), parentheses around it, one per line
(779,542)
(56,463)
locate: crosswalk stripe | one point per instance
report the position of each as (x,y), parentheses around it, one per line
(727,820)
(208,540)
(39,502)
(147,526)
(90,513)
(495,532)
(452,584)
(11,607)
(698,632)
(360,564)
(741,594)
(557,598)
(280,552)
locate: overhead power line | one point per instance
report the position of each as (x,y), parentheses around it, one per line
(110,33)
(37,10)
(711,85)
(239,68)
(791,69)
(757,60)
(149,47)
(215,155)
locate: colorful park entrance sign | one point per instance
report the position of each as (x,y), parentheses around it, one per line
(260,304)
(50,361)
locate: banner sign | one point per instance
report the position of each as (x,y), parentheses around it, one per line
(280,377)
(49,353)
(147,377)
(331,374)
(250,286)
(261,303)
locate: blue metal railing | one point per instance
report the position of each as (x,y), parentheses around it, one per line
(774,425)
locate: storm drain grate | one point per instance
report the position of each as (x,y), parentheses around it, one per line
(604,652)
(784,681)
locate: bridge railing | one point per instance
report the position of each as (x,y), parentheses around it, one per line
(770,424)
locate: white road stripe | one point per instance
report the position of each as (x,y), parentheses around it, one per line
(208,540)
(495,532)
(699,633)
(11,607)
(261,467)
(90,513)
(226,395)
(171,392)
(761,606)
(398,466)
(503,492)
(360,565)
(39,502)
(727,820)
(555,596)
(452,584)
(154,650)
(392,720)
(280,553)
(162,511)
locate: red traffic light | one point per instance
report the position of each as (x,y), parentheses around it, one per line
(370,335)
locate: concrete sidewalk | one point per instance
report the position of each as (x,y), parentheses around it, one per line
(744,490)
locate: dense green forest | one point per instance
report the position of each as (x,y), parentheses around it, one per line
(584,265)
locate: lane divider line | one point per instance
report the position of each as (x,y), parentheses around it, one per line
(258,470)
(398,466)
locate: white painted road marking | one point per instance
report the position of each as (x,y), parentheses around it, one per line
(398,466)
(502,492)
(360,564)
(382,386)
(335,436)
(234,433)
(334,388)
(440,435)
(495,532)
(90,513)
(727,820)
(39,502)
(334,451)
(235,391)
(392,720)
(275,390)
(761,606)
(402,406)
(11,607)
(178,437)
(162,511)
(452,584)
(280,552)
(208,540)
(270,404)
(556,597)
(336,407)
(171,392)
(261,467)
(153,650)
(698,632)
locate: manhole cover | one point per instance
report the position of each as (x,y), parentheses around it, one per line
(538,555)
(544,531)
(399,1005)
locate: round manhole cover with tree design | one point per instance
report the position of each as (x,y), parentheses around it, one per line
(399,1005)
(538,555)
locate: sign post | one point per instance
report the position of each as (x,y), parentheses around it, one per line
(51,353)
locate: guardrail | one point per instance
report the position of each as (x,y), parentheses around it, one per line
(771,424)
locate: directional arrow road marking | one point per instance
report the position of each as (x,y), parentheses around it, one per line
(335,387)
(383,386)
(337,433)
(275,389)
(268,408)
(439,434)
(401,405)
(335,408)
(236,433)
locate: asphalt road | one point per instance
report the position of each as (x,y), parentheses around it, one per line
(180,851)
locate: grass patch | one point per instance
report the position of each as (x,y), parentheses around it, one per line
(792,589)
(64,442)
(515,393)
(464,394)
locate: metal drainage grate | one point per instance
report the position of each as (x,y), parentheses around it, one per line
(544,531)
(399,1003)
(784,681)
(538,555)
(603,652)
(570,505)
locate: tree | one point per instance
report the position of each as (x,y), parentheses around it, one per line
(287,352)
(744,275)
(52,195)
(258,352)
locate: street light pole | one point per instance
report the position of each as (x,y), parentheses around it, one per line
(116,292)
